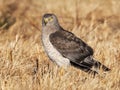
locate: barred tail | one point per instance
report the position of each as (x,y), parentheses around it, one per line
(98,65)
(90,65)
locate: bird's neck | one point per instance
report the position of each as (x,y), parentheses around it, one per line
(47,30)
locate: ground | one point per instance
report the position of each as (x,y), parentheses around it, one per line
(23,63)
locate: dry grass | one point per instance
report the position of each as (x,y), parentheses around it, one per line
(25,66)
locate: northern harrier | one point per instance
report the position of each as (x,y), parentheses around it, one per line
(65,49)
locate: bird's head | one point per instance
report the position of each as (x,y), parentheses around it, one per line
(49,19)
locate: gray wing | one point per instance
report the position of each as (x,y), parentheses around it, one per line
(70,46)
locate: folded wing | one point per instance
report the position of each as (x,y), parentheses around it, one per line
(70,46)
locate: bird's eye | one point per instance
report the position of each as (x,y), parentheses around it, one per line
(51,19)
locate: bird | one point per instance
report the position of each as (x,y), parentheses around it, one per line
(66,49)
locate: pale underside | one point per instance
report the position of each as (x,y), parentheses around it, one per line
(65,49)
(53,54)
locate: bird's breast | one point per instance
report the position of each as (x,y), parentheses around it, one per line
(53,53)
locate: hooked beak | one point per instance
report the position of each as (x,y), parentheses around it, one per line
(46,20)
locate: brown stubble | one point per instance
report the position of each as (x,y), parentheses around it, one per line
(23,63)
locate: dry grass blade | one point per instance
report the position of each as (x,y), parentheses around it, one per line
(25,66)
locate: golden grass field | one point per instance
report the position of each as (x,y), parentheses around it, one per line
(25,66)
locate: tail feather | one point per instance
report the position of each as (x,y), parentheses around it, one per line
(90,65)
(98,65)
